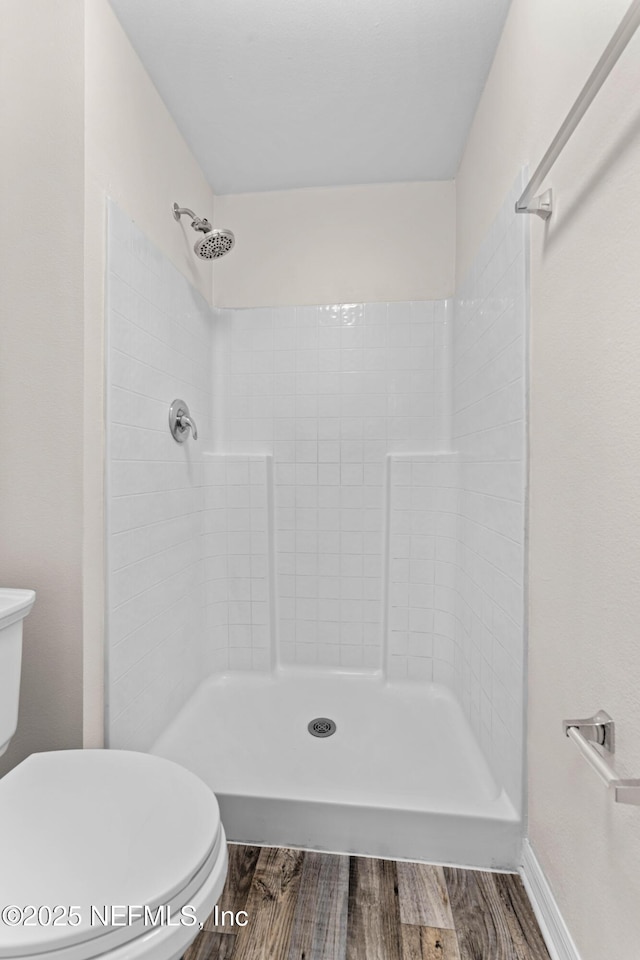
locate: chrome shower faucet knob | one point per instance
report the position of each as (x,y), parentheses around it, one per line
(181,422)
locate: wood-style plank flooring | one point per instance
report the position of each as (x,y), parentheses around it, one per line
(321,906)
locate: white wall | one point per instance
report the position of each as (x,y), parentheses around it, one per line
(383,242)
(160,333)
(41,358)
(584,518)
(135,155)
(134,152)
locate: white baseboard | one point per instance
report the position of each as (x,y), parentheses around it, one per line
(554,930)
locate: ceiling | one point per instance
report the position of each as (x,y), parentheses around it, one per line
(275,94)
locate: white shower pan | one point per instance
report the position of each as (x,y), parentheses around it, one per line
(402,776)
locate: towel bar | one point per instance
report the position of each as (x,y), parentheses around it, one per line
(595,739)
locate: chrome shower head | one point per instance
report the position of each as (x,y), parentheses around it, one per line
(215,242)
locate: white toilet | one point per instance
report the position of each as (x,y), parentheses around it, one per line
(95,836)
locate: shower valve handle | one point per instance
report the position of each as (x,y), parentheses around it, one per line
(181,421)
(185,422)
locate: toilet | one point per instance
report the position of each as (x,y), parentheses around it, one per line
(123,852)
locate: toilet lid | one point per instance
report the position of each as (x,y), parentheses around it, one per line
(97,828)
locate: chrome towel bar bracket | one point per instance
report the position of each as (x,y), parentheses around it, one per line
(600,729)
(595,739)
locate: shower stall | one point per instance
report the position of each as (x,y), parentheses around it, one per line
(318,604)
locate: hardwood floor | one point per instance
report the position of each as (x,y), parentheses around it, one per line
(321,906)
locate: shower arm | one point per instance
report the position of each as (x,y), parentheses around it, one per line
(196,222)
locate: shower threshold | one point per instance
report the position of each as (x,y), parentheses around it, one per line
(402,776)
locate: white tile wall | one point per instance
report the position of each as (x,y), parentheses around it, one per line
(160,335)
(329,391)
(423,518)
(237,549)
(456,522)
(489,433)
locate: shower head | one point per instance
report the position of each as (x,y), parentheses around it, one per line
(214,243)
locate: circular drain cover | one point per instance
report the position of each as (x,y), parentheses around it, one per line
(321,727)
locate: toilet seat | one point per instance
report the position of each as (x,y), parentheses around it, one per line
(106,828)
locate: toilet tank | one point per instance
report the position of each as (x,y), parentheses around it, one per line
(14,607)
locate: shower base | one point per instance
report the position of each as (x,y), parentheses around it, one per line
(401,777)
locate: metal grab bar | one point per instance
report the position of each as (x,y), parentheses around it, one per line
(593,735)
(543,205)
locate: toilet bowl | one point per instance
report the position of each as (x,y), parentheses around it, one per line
(93,837)
(103,853)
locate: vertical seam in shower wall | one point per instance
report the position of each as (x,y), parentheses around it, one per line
(526,241)
(107,474)
(386,578)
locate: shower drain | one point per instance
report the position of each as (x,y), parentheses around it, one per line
(321,727)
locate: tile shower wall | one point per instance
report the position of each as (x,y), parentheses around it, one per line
(457,522)
(160,335)
(489,435)
(237,549)
(423,531)
(329,391)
